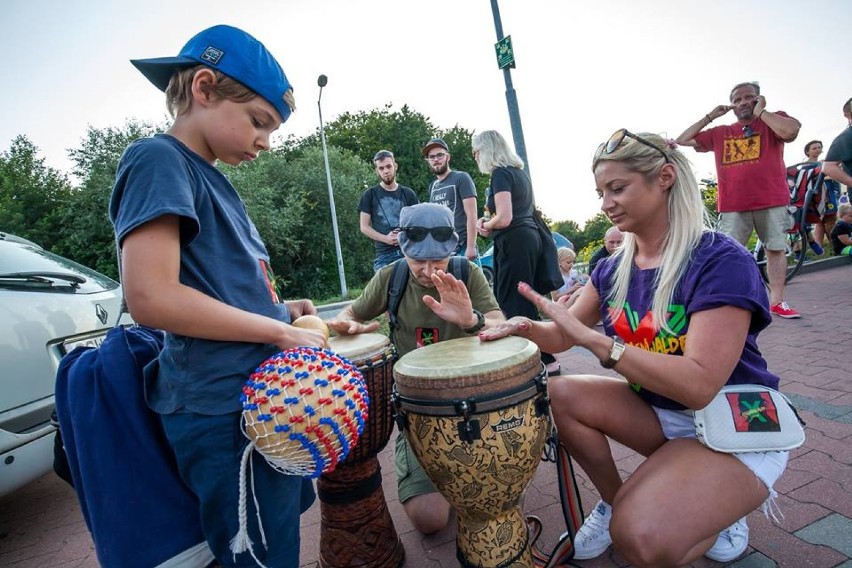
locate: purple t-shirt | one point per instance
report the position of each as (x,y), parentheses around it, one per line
(720,273)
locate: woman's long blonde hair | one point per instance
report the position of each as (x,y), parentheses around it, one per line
(687,221)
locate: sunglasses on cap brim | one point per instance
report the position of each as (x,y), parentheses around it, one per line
(417,234)
(618,137)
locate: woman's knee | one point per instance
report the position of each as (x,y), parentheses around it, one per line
(644,543)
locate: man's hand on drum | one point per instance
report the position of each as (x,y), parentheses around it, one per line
(346,324)
(455,305)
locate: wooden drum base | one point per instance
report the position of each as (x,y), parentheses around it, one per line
(356,529)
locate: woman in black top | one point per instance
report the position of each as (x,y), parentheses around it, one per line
(510,220)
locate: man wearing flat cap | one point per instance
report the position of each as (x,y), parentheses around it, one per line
(456,190)
(435,307)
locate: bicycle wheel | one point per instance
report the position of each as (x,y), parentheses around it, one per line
(795,250)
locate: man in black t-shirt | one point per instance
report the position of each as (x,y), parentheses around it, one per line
(838,160)
(379,210)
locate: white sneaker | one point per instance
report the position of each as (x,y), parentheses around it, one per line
(593,537)
(731,543)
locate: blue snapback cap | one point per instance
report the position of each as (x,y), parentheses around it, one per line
(231,51)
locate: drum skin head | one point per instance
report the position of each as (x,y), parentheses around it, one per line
(460,368)
(359,347)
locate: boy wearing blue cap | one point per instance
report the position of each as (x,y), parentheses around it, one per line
(194,266)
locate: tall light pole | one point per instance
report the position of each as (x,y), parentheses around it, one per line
(511,97)
(322,81)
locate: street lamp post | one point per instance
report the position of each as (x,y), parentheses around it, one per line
(322,81)
(511,97)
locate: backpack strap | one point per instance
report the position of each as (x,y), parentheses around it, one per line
(396,288)
(459,267)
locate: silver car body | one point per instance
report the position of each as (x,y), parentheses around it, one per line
(48,306)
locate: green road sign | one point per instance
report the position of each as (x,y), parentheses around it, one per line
(505,53)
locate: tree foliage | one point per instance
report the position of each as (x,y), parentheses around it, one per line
(31,194)
(86,234)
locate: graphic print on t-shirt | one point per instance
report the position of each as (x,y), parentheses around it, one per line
(269,276)
(426,336)
(738,150)
(642,333)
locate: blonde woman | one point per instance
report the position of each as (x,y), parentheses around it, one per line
(512,225)
(681,307)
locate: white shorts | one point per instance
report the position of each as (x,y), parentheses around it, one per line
(767,466)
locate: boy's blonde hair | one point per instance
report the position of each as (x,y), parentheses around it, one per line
(179,91)
(844,209)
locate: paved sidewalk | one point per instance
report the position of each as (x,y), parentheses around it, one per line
(40,525)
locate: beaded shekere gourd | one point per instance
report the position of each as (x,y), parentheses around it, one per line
(304,409)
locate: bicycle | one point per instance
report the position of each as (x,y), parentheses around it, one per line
(796,244)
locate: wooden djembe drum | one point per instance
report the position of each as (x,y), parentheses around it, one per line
(476,416)
(356,528)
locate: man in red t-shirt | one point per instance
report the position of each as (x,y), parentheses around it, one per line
(753,193)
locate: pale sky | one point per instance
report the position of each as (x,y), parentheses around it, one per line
(584,69)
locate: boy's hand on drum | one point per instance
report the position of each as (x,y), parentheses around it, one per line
(352,327)
(455,305)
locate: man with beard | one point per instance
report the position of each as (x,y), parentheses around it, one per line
(455,190)
(753,192)
(379,210)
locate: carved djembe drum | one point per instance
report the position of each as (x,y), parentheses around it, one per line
(476,416)
(356,528)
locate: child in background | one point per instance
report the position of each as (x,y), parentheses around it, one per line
(841,234)
(194,266)
(572,281)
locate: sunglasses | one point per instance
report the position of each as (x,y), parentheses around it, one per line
(618,137)
(417,234)
(747,131)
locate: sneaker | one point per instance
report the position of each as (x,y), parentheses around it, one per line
(731,543)
(782,310)
(815,246)
(593,537)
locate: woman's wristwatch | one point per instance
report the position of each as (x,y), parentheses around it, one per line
(615,353)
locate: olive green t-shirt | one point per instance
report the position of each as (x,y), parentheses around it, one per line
(418,325)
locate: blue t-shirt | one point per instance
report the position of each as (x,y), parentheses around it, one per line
(222,256)
(720,273)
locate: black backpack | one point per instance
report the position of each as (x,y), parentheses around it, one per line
(459,267)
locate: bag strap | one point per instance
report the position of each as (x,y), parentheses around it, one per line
(572,509)
(459,267)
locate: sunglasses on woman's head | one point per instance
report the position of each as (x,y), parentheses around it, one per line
(417,234)
(618,137)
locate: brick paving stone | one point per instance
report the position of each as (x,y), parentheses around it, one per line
(788,550)
(839,450)
(754,560)
(834,531)
(824,417)
(819,463)
(827,493)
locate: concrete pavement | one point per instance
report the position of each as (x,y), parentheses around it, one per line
(40,525)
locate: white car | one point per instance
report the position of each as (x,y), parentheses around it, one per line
(48,306)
